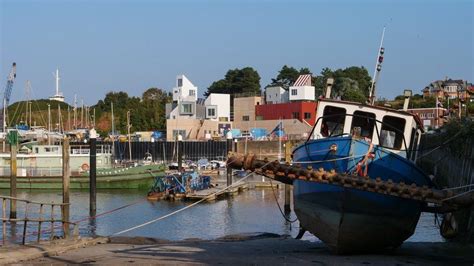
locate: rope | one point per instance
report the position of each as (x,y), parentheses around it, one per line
(442,144)
(452,188)
(458,195)
(184,208)
(279,207)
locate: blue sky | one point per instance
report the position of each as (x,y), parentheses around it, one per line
(103,46)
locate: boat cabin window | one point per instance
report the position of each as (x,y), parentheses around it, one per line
(333,121)
(363,124)
(391,134)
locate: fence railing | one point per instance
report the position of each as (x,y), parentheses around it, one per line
(34,212)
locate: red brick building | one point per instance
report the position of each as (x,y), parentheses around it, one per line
(303,111)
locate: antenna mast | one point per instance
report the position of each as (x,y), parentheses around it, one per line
(378,67)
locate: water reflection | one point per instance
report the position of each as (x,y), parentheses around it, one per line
(251,211)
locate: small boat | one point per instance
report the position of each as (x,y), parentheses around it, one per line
(176,186)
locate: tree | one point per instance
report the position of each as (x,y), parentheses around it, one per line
(237,81)
(351,84)
(147,112)
(287,76)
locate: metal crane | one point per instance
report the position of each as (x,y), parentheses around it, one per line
(7,94)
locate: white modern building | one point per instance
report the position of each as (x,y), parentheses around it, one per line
(217,107)
(302,89)
(193,117)
(275,95)
(184,99)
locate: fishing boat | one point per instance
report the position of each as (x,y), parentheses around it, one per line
(369,141)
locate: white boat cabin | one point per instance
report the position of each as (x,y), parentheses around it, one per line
(397,131)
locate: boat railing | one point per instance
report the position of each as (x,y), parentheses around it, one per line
(34,212)
(365,117)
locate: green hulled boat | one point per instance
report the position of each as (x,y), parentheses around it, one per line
(134,177)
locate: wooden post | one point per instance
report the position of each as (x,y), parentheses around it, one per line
(180,156)
(13,169)
(4,220)
(66,182)
(288,188)
(92,173)
(229,169)
(40,220)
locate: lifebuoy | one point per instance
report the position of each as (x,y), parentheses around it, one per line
(85,167)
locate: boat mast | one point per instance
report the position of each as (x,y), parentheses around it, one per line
(59,118)
(27,89)
(113,130)
(378,67)
(129,138)
(68,118)
(82,113)
(49,124)
(75,111)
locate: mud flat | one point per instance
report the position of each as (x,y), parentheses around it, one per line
(268,249)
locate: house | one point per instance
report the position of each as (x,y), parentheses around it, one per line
(447,88)
(303,111)
(194,118)
(294,108)
(274,95)
(302,89)
(430,117)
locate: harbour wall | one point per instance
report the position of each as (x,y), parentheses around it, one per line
(452,165)
(167,151)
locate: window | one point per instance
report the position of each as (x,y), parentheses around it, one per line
(307,115)
(186,109)
(211,112)
(333,121)
(192,92)
(295,115)
(294,92)
(363,124)
(177,132)
(391,134)
(245,118)
(180,82)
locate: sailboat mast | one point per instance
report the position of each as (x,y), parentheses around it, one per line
(113,123)
(113,130)
(75,111)
(49,124)
(27,89)
(378,67)
(68,117)
(82,112)
(129,137)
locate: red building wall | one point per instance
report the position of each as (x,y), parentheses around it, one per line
(286,111)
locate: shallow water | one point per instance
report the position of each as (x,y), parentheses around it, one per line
(251,211)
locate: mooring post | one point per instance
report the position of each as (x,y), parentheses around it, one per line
(230,146)
(13,139)
(288,188)
(180,153)
(92,173)
(66,181)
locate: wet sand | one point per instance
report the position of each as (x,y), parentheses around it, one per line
(260,249)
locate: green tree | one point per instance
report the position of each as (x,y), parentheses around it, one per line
(236,81)
(351,83)
(287,76)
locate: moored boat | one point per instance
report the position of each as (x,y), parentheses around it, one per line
(368,141)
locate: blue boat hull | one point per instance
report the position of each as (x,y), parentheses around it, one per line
(350,220)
